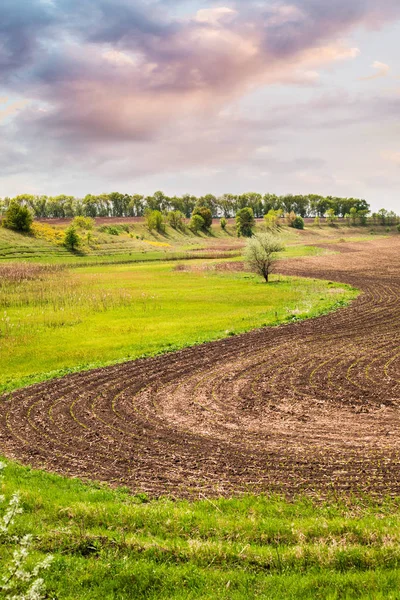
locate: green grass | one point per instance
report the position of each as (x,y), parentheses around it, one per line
(111,545)
(137,244)
(80,318)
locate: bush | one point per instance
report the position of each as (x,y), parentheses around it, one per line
(298,223)
(196,223)
(290,217)
(155,220)
(206,214)
(72,239)
(260,253)
(176,220)
(398,228)
(272,218)
(223,222)
(17,217)
(83,223)
(245,222)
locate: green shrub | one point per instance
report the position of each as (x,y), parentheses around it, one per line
(176,220)
(398,227)
(72,239)
(206,214)
(155,220)
(17,217)
(83,223)
(196,223)
(223,222)
(298,223)
(245,222)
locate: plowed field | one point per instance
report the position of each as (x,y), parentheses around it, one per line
(308,407)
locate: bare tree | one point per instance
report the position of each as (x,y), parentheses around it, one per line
(261,253)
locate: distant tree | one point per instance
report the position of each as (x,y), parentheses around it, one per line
(331,216)
(176,220)
(72,239)
(155,220)
(261,253)
(223,222)
(298,222)
(196,223)
(83,223)
(205,213)
(353,215)
(245,222)
(17,217)
(272,218)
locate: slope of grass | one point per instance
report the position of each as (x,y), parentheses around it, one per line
(110,545)
(70,320)
(135,243)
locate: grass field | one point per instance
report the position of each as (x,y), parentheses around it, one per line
(65,320)
(112,545)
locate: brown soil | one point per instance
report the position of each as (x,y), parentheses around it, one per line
(309,407)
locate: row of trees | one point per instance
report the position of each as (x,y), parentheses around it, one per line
(227,205)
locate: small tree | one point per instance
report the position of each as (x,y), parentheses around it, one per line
(223,223)
(155,220)
(290,218)
(298,223)
(86,223)
(196,223)
(205,213)
(261,253)
(176,220)
(331,216)
(17,217)
(245,222)
(272,218)
(72,239)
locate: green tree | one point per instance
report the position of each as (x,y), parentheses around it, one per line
(261,253)
(155,220)
(72,239)
(196,223)
(83,223)
(298,222)
(205,213)
(245,222)
(331,216)
(223,222)
(176,220)
(17,217)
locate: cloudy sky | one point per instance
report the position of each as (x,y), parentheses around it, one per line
(188,96)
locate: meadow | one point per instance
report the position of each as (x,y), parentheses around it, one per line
(55,320)
(109,544)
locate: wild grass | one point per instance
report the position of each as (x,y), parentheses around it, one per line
(109,544)
(71,319)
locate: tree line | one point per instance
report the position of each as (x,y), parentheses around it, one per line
(117,204)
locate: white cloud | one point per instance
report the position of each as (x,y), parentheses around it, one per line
(215,16)
(381,68)
(12,108)
(118,58)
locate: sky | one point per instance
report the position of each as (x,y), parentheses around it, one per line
(201,97)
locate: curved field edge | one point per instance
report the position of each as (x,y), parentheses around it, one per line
(312,298)
(110,544)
